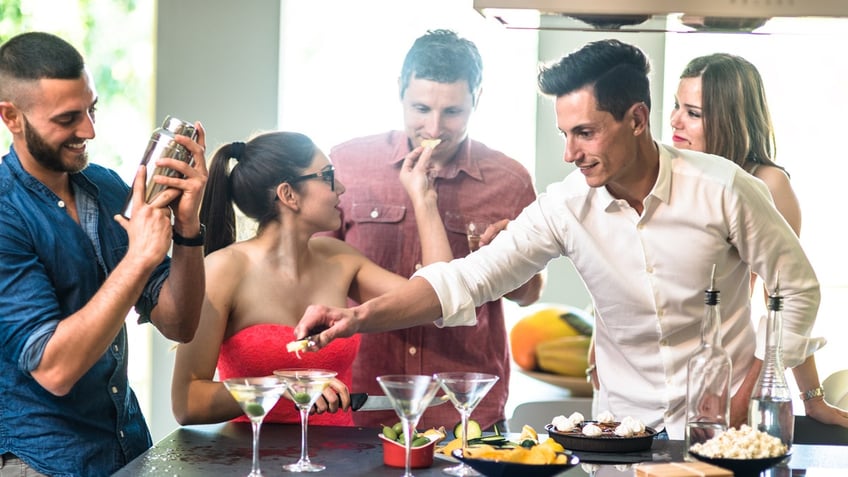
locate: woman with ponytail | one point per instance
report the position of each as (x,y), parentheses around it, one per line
(258,288)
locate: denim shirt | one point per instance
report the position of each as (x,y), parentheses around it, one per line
(50,267)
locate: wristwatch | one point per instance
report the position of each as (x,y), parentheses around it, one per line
(196,241)
(812,393)
(589,371)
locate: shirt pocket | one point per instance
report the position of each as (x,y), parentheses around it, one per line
(455,222)
(378,231)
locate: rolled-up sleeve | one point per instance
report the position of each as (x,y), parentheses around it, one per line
(150,295)
(456,300)
(520,251)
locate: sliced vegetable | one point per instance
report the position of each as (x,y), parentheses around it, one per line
(474,429)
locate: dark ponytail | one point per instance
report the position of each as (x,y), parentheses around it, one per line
(263,163)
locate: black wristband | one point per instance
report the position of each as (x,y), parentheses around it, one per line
(197,241)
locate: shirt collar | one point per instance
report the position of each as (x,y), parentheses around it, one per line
(662,187)
(462,161)
(80,178)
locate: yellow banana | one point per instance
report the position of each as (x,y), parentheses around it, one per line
(566,355)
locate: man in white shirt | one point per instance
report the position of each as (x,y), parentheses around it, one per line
(643,224)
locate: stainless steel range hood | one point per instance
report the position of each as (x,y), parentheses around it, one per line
(654,15)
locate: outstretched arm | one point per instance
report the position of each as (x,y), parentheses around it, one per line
(412,304)
(528,293)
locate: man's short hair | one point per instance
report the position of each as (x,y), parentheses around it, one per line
(617,71)
(33,56)
(444,57)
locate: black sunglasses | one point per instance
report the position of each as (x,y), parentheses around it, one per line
(326,174)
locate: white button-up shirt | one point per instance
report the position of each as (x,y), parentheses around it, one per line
(647,275)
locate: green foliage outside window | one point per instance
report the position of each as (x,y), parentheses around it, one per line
(116,39)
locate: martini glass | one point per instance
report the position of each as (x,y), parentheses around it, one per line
(465,391)
(304,387)
(410,394)
(256,396)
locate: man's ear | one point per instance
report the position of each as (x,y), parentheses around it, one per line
(11,116)
(475,97)
(639,117)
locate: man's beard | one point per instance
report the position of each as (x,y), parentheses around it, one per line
(48,157)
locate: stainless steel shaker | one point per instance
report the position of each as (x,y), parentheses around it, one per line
(163,145)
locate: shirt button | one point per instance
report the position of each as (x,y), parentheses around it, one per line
(650,269)
(664,342)
(417,267)
(116,348)
(640,226)
(121,433)
(61,204)
(413,350)
(375,213)
(114,390)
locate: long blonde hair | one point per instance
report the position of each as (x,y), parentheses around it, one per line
(737,123)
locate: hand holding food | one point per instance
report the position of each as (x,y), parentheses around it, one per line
(430,143)
(297,346)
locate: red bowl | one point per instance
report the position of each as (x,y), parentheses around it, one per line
(394,454)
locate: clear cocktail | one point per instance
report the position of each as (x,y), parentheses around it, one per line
(304,387)
(256,396)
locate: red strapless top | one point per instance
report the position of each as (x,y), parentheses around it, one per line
(260,349)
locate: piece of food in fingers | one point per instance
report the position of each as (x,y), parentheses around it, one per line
(430,143)
(297,346)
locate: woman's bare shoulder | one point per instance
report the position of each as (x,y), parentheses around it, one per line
(228,263)
(332,247)
(775,178)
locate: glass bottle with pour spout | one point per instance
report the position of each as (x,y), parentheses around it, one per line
(708,377)
(770,409)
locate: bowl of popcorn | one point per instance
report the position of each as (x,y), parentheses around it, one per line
(746,451)
(603,434)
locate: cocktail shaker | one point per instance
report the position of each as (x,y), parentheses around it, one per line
(163,145)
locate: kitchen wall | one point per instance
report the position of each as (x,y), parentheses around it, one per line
(217,61)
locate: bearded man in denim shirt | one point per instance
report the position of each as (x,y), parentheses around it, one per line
(71,268)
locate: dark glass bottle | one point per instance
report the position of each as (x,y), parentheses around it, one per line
(708,377)
(770,409)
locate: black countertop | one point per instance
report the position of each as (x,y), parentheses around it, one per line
(225,450)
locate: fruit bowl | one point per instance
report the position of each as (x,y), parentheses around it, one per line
(394,454)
